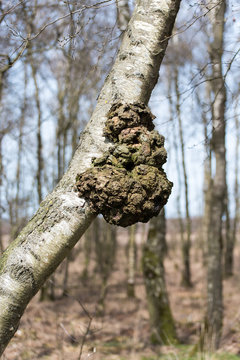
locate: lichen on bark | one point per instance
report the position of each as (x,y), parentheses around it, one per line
(127,184)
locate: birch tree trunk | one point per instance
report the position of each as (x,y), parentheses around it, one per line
(1,211)
(186,238)
(63,217)
(207,179)
(162,324)
(229,251)
(105,250)
(175,146)
(218,186)
(131,250)
(30,18)
(90,234)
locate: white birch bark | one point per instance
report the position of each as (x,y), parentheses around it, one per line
(63,217)
(218,189)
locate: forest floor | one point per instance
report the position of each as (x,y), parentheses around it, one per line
(56,329)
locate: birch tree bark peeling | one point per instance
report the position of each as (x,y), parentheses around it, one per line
(63,217)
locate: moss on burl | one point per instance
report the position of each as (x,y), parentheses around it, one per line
(127,184)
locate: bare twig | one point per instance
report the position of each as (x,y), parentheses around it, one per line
(193,22)
(94,6)
(11,9)
(67,333)
(87,329)
(230,64)
(11,62)
(25,41)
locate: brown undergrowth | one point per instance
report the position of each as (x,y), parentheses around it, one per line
(54,330)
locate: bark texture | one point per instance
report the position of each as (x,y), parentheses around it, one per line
(218,186)
(1,173)
(131,261)
(206,182)
(63,217)
(105,249)
(229,251)
(128,183)
(161,320)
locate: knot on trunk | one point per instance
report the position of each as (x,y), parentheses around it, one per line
(127,184)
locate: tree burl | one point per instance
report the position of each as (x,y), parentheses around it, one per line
(127,184)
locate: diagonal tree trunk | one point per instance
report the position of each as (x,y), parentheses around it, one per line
(63,217)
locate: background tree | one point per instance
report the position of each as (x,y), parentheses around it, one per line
(230,244)
(218,185)
(131,255)
(177,58)
(105,250)
(154,251)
